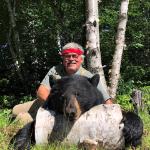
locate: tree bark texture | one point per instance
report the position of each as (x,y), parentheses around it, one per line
(136,99)
(94,62)
(120,43)
(13,38)
(102,125)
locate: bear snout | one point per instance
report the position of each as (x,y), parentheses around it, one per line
(72,110)
(71,116)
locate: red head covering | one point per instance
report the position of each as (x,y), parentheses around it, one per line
(72,50)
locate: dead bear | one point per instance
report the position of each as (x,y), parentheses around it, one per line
(73,95)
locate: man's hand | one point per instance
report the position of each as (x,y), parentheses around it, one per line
(108,101)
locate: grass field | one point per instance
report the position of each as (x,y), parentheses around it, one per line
(8,129)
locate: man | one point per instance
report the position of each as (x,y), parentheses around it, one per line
(72,56)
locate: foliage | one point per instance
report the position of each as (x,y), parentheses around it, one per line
(56,146)
(135,61)
(123,98)
(8,128)
(4,117)
(146,135)
(146,97)
(45,26)
(4,122)
(9,101)
(124,101)
(6,101)
(146,94)
(125,87)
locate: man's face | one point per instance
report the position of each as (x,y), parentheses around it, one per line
(72,62)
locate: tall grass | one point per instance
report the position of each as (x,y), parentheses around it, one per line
(8,128)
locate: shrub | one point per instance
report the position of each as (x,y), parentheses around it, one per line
(124,101)
(10,101)
(125,87)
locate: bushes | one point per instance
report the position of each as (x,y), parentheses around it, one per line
(125,87)
(123,97)
(7,101)
(139,74)
(124,101)
(146,97)
(10,101)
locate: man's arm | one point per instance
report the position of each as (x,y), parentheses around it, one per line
(43,92)
(105,95)
(45,87)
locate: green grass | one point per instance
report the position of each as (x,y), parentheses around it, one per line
(4,122)
(4,115)
(56,146)
(146,136)
(7,130)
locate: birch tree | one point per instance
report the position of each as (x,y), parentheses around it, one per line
(93,45)
(94,62)
(120,45)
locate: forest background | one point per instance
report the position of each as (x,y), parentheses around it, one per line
(29,44)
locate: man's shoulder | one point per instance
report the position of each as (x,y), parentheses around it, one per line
(85,72)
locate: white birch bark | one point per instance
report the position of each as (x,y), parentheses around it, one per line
(94,61)
(102,125)
(120,44)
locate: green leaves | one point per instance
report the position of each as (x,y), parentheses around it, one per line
(124,101)
(43,24)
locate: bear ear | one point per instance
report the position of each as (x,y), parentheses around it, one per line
(95,80)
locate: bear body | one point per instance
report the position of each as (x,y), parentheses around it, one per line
(133,129)
(70,97)
(73,95)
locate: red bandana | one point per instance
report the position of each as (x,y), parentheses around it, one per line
(72,50)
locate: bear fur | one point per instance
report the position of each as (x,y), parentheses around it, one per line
(73,95)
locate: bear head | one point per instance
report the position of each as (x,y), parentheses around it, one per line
(73,95)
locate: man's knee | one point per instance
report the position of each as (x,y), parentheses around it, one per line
(24,118)
(20,108)
(16,110)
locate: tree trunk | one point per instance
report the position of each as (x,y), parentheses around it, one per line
(120,43)
(136,99)
(13,38)
(14,56)
(94,62)
(94,125)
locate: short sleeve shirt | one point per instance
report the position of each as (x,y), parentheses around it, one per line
(58,71)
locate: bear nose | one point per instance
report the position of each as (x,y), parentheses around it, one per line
(72,114)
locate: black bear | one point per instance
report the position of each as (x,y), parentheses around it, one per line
(72,96)
(133,129)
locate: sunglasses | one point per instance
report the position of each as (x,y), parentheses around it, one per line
(68,56)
